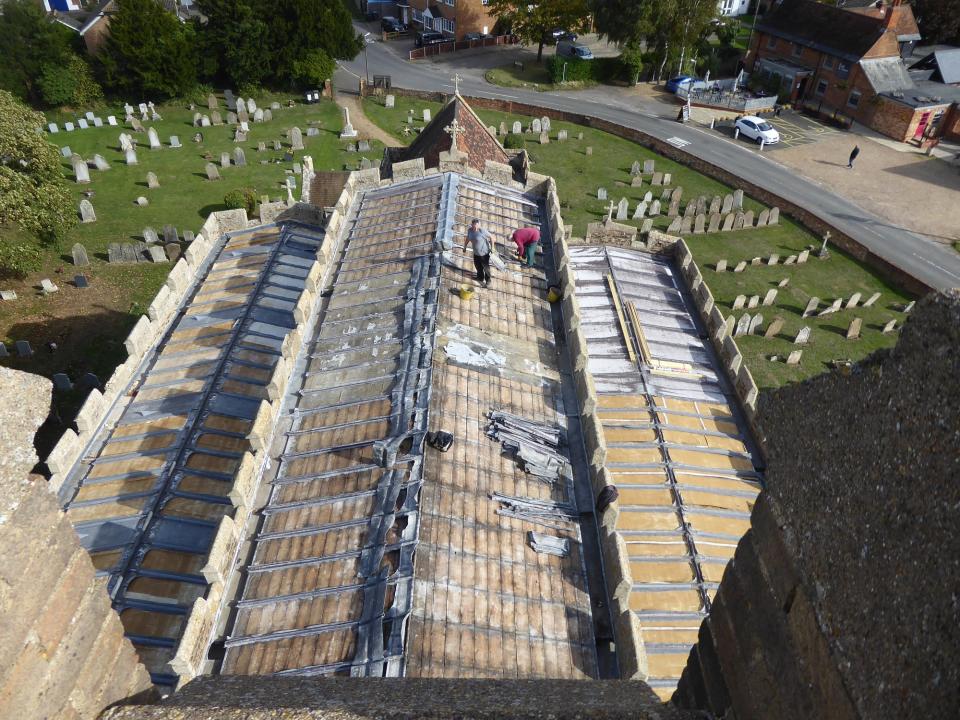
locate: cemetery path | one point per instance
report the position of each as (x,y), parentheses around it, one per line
(362,124)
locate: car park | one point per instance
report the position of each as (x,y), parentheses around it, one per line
(429,37)
(392,25)
(757,129)
(570,49)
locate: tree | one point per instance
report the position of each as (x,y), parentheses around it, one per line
(69,83)
(939,20)
(149,53)
(531,23)
(33,191)
(298,27)
(28,42)
(315,67)
(234,41)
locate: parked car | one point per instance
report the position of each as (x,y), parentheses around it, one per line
(429,37)
(392,25)
(558,34)
(476,36)
(756,128)
(568,48)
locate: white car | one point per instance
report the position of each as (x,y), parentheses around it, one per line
(757,129)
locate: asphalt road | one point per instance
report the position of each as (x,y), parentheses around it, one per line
(933,263)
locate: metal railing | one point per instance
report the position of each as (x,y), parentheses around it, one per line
(739,100)
(455,45)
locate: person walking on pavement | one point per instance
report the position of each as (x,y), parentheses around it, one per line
(527,240)
(853,155)
(482,244)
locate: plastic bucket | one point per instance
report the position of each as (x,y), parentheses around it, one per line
(554,294)
(466,292)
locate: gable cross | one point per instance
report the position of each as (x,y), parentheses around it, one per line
(454,129)
(456,83)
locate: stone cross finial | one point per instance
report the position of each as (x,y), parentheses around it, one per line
(823,248)
(454,129)
(610,212)
(456,83)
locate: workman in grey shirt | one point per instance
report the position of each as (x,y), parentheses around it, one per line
(482,244)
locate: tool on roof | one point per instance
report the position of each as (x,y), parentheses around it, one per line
(543,512)
(535,445)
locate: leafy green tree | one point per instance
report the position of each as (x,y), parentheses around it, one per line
(149,54)
(234,41)
(939,20)
(69,83)
(33,191)
(531,22)
(315,67)
(28,41)
(297,27)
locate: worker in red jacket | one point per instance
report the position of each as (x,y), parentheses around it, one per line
(527,240)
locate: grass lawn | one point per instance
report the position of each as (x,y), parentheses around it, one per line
(89,325)
(533,75)
(578,176)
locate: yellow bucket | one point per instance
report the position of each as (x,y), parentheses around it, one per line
(466,292)
(554,294)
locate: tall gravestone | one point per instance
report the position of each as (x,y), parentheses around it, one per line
(80,170)
(212,172)
(154,139)
(79,253)
(296,139)
(87,215)
(239,157)
(152,181)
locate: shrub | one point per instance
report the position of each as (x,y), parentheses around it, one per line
(245,198)
(17,259)
(601,69)
(313,68)
(514,141)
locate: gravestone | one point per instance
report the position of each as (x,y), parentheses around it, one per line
(739,302)
(740,266)
(783,283)
(68,126)
(832,308)
(686,225)
(727,222)
(909,306)
(743,325)
(231,118)
(363,146)
(426,115)
(753,302)
(390,101)
(714,223)
(251,105)
(803,337)
(154,139)
(66,152)
(755,324)
(729,326)
(544,138)
(702,204)
(244,126)
(647,225)
(365,164)
(150,236)
(536,126)
(721,265)
(61,381)
(111,120)
(773,259)
(258,116)
(212,172)
(503,129)
(267,115)
(640,211)
(601,193)
(675,225)
(82,124)
(762,219)
(23,348)
(136,125)
(79,253)
(188,236)
(715,205)
(648,166)
(224,159)
(173,251)
(667,178)
(890,326)
(274,105)
(517,127)
(152,182)
(314,132)
(738,222)
(130,156)
(351,147)
(674,208)
(261,147)
(691,209)
(80,170)
(794,357)
(748,219)
(175,141)
(126,142)
(87,214)
(113,253)
(852,302)
(727,204)
(212,102)
(647,196)
(216,118)
(636,181)
(3,350)
(156,254)
(676,194)
(775,327)
(296,139)
(853,332)
(562,136)
(756,261)
(770,297)
(170,234)
(579,136)
(297,169)
(655,208)
(636,168)
(791,259)
(738,199)
(53,128)
(623,207)
(699,224)
(811,307)
(241,105)
(872,299)
(239,157)
(589,150)
(774,218)
(802,257)
(48,286)
(657,178)
(545,123)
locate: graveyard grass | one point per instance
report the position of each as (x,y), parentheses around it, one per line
(533,75)
(90,325)
(578,177)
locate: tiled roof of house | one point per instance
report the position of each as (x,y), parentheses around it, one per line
(904,24)
(849,35)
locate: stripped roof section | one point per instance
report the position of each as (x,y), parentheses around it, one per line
(147,498)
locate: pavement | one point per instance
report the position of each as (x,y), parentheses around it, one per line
(928,259)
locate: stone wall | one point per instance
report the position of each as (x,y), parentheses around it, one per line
(809,218)
(841,601)
(64,653)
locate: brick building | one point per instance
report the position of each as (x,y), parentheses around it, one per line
(455,18)
(847,64)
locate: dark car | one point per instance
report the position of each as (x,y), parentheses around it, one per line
(557,34)
(429,37)
(475,36)
(392,25)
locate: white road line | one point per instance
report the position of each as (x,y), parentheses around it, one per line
(678,142)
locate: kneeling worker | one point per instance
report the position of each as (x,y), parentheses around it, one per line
(527,240)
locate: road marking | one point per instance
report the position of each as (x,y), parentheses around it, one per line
(342,67)
(678,142)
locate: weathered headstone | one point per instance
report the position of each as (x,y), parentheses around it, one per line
(727,222)
(66,152)
(80,170)
(832,308)
(802,257)
(517,127)
(648,167)
(363,146)
(753,302)
(251,105)
(173,251)
(755,324)
(426,115)
(686,225)
(740,266)
(774,327)
(909,306)
(640,211)
(79,254)
(267,115)
(774,217)
(87,214)
(675,224)
(112,120)
(175,141)
(150,236)
(794,357)
(68,126)
(657,178)
(544,138)
(623,207)
(390,101)
(763,217)
(743,325)
(231,118)
(667,178)
(729,326)
(130,156)
(748,219)
(535,126)
(258,116)
(738,222)
(224,159)
(23,347)
(188,236)
(154,139)
(714,225)
(811,307)
(562,136)
(676,194)
(739,302)
(852,302)
(738,199)
(212,172)
(654,208)
(674,209)
(791,259)
(545,123)
(770,297)
(636,168)
(152,182)
(715,204)
(502,130)
(872,299)
(698,224)
(47,286)
(296,139)
(890,326)
(727,204)
(756,261)
(113,253)
(157,253)
(62,382)
(647,225)
(589,150)
(783,283)
(601,193)
(853,332)
(721,265)
(53,128)
(773,259)
(365,164)
(83,124)
(239,157)
(803,337)
(170,234)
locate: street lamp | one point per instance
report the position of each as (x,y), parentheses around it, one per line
(366,67)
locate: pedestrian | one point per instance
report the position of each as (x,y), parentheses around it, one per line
(853,155)
(527,240)
(482,244)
